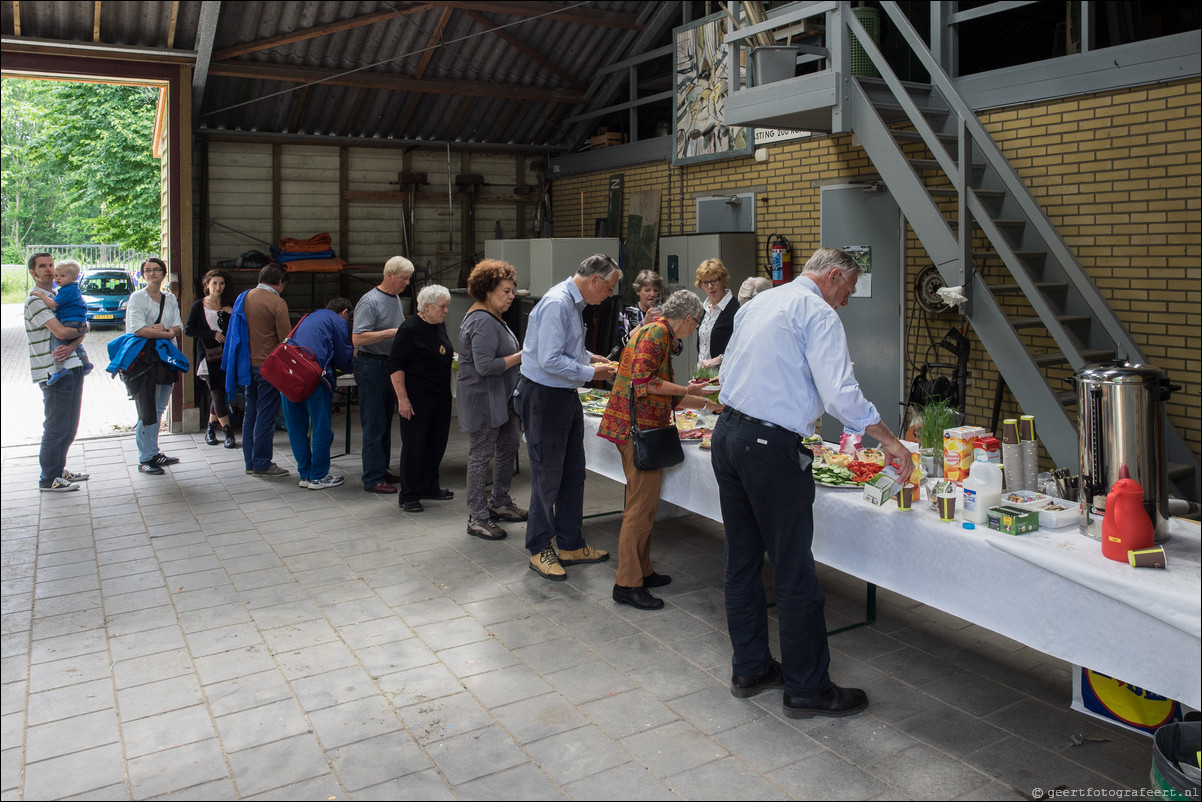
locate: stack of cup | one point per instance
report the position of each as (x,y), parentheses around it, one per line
(1012,455)
(1030,451)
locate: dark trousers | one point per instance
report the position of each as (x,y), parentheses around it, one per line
(258,422)
(554,423)
(424,441)
(377,405)
(61,403)
(767,501)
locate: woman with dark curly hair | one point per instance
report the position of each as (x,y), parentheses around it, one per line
(489,355)
(207,322)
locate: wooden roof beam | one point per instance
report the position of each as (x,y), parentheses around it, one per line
(577,15)
(317,31)
(528,51)
(395,83)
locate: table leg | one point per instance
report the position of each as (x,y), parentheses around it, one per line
(869,612)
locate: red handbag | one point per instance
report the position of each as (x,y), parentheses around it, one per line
(292,369)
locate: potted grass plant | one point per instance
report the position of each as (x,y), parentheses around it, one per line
(937,415)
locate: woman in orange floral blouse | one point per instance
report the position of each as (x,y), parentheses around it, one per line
(646,373)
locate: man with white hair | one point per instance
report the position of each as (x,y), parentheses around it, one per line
(786,362)
(555,364)
(376,318)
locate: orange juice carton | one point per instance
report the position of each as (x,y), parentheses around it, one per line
(957,451)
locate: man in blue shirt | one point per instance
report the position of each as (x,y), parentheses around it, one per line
(554,364)
(786,362)
(327,335)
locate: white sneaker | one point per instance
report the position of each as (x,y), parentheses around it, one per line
(325,484)
(303,483)
(59,485)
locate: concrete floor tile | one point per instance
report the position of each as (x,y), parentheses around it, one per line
(380,759)
(725,779)
(452,633)
(827,776)
(376,626)
(246,692)
(195,771)
(576,754)
(269,723)
(471,755)
(476,658)
(277,764)
(153,698)
(420,684)
(422,785)
(162,731)
(589,680)
(352,721)
(767,743)
(534,628)
(387,658)
(434,720)
(75,734)
(673,748)
(672,676)
(315,660)
(921,772)
(951,731)
(76,774)
(628,781)
(623,714)
(713,709)
(69,671)
(862,739)
(234,663)
(1014,763)
(539,717)
(506,685)
(334,687)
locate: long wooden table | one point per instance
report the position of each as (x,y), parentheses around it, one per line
(1051,590)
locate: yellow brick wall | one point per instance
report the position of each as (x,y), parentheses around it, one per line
(1118,173)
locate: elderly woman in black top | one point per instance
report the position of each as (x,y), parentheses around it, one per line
(420,366)
(489,355)
(206,324)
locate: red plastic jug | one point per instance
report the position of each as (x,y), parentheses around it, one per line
(1126,524)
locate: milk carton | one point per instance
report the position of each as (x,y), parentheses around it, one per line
(957,451)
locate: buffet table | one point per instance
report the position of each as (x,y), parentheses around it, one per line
(1051,590)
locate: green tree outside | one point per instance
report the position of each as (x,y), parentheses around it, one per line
(78,165)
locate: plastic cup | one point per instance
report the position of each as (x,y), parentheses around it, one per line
(947,506)
(905,497)
(1147,558)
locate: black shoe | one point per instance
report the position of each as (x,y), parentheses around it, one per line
(439,495)
(637,597)
(211,434)
(150,467)
(835,701)
(230,442)
(770,677)
(654,580)
(412,506)
(160,459)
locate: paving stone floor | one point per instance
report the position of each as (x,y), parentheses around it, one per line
(209,635)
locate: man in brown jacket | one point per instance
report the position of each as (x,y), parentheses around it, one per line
(267,325)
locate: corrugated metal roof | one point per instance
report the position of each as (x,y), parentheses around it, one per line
(498,72)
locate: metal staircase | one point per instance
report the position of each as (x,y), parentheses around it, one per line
(1033,306)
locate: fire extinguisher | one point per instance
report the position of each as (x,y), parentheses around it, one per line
(780,260)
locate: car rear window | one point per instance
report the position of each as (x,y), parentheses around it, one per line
(106,285)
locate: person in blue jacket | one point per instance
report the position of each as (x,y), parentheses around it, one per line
(327,334)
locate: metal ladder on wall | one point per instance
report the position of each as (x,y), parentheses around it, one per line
(1034,308)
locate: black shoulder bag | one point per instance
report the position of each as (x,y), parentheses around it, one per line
(654,449)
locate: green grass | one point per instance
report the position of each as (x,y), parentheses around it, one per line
(13,284)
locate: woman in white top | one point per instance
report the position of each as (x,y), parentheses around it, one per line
(153,314)
(720,306)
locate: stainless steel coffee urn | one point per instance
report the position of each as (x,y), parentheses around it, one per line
(1121,408)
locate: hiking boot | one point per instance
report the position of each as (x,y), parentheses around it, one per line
(211,433)
(547,565)
(508,512)
(587,554)
(230,442)
(486,529)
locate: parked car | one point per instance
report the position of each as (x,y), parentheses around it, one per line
(106,292)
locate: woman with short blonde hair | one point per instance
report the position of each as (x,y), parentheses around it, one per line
(720,307)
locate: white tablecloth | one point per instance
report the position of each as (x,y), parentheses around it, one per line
(1051,590)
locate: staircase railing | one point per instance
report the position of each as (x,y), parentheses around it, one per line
(975,141)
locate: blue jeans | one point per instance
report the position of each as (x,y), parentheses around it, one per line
(147,436)
(554,424)
(310,432)
(377,405)
(258,422)
(61,403)
(767,501)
